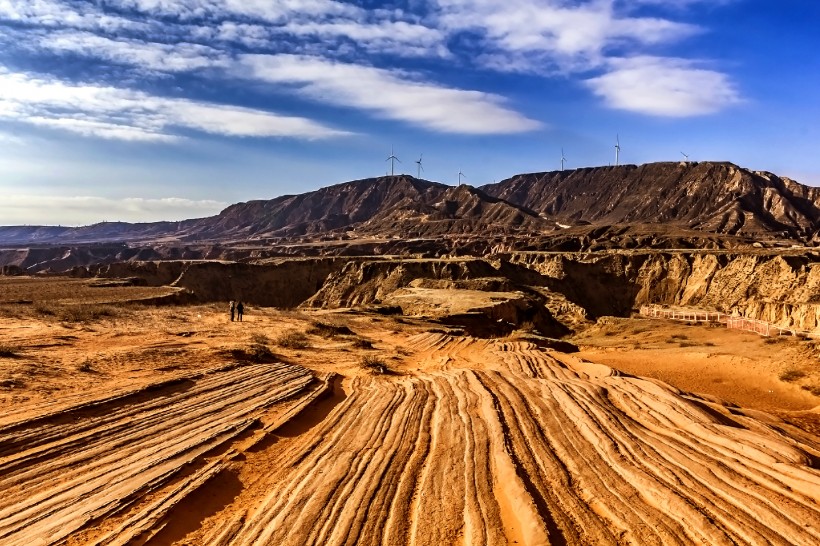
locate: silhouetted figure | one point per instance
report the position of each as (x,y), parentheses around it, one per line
(233,308)
(239,310)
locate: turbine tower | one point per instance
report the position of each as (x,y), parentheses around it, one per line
(617,150)
(460,176)
(562,159)
(419,167)
(686,156)
(392,159)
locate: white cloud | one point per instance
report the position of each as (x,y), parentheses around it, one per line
(385,37)
(664,87)
(555,34)
(271,11)
(109,112)
(16,209)
(391,94)
(54,13)
(179,57)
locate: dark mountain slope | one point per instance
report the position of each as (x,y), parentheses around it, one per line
(716,197)
(387,206)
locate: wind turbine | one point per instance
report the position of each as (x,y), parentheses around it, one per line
(686,156)
(562,159)
(419,167)
(617,150)
(460,175)
(392,159)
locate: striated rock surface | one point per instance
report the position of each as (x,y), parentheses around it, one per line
(484,442)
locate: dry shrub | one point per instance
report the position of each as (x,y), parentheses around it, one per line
(792,375)
(387,310)
(679,336)
(252,353)
(374,364)
(12,384)
(362,343)
(77,313)
(687,344)
(292,340)
(814,389)
(8,351)
(260,353)
(527,327)
(323,329)
(85,367)
(259,338)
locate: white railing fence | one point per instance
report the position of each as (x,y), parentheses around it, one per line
(736,323)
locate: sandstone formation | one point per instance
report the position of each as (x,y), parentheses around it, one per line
(478,442)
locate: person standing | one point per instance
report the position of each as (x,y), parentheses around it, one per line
(239,310)
(233,308)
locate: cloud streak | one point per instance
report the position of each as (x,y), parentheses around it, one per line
(390,94)
(18,209)
(555,35)
(123,114)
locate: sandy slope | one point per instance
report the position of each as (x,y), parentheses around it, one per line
(467,441)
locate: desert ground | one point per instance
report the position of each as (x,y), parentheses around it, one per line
(127,422)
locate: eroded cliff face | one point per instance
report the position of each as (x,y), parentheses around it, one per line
(575,288)
(784,290)
(285,283)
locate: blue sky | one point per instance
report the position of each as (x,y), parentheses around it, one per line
(142,110)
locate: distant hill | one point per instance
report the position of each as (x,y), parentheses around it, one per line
(717,198)
(708,196)
(386,206)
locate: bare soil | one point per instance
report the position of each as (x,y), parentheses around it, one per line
(132,424)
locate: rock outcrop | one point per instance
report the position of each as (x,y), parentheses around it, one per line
(712,197)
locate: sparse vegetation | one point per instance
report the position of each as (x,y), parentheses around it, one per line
(8,351)
(259,352)
(292,340)
(77,313)
(387,309)
(374,364)
(527,327)
(679,336)
(260,338)
(362,343)
(85,366)
(324,329)
(792,375)
(814,389)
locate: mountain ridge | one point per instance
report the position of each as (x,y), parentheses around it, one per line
(711,197)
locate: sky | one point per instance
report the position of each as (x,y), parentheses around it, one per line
(145,110)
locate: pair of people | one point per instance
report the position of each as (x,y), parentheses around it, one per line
(237,309)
